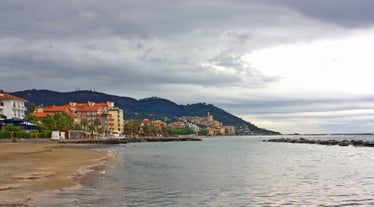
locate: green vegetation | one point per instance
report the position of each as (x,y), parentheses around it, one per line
(60,121)
(84,124)
(11,131)
(136,128)
(11,128)
(6,134)
(179,131)
(203,132)
(150,130)
(132,127)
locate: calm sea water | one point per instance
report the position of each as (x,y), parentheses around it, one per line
(231,171)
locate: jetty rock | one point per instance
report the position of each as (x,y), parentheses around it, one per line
(344,143)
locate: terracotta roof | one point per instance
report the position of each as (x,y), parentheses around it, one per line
(145,121)
(88,108)
(70,109)
(55,108)
(40,114)
(5,96)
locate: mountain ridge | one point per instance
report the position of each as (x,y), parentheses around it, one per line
(147,108)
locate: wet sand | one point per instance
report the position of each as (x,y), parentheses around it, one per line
(27,170)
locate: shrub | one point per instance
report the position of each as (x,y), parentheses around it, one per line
(45,134)
(34,134)
(9,127)
(6,134)
(21,135)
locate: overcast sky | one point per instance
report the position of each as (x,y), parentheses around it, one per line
(285,65)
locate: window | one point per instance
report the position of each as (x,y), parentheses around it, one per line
(1,103)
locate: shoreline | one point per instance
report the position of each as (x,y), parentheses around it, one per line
(31,169)
(28,170)
(129,140)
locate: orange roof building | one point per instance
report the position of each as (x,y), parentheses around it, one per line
(110,117)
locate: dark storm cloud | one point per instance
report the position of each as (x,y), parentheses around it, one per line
(136,43)
(186,51)
(347,13)
(69,19)
(142,43)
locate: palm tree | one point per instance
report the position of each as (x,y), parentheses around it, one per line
(84,124)
(96,124)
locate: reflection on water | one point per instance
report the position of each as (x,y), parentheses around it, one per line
(233,171)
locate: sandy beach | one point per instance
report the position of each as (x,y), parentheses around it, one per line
(27,170)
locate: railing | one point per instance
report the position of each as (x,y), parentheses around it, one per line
(20,108)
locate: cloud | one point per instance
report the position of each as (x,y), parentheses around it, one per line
(190,51)
(125,42)
(346,13)
(327,115)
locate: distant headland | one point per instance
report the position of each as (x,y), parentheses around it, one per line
(152,109)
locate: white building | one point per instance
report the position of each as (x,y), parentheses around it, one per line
(11,107)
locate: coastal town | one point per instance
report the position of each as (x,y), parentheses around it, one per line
(73,120)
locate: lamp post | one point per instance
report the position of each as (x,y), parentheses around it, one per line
(104,122)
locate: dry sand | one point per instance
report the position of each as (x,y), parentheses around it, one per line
(27,170)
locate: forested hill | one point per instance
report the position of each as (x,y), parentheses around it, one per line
(149,108)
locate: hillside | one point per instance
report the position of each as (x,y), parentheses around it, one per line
(149,108)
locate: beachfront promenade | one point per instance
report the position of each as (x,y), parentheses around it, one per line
(129,140)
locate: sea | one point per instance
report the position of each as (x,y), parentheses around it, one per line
(230,171)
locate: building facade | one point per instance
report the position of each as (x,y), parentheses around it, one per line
(208,123)
(116,122)
(11,107)
(106,115)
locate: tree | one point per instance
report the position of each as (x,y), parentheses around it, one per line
(59,121)
(164,131)
(11,128)
(62,121)
(31,108)
(77,127)
(203,132)
(154,130)
(91,128)
(146,130)
(96,124)
(47,122)
(31,118)
(132,127)
(179,131)
(84,124)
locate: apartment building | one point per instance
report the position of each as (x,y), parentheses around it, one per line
(11,107)
(110,117)
(116,122)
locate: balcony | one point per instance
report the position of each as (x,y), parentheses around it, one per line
(19,108)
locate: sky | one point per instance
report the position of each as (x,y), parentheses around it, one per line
(286,65)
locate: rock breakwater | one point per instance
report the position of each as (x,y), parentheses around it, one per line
(356,143)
